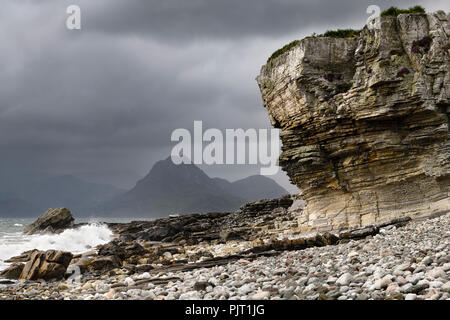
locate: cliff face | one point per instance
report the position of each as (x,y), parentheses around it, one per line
(365,121)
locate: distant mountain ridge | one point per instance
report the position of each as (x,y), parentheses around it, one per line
(253,188)
(167,189)
(185,188)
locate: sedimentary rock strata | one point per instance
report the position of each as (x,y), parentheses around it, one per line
(48,265)
(365,121)
(13,271)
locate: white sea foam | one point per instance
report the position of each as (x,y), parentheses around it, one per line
(18,225)
(72,240)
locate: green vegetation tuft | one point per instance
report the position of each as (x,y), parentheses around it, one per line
(394,11)
(286,48)
(341,33)
(347,33)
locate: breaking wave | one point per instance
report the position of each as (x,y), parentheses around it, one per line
(73,240)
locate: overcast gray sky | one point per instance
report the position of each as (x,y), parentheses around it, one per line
(101,103)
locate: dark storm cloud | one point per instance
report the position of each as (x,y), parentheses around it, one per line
(184,20)
(102,102)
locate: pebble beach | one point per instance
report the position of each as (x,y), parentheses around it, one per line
(407,263)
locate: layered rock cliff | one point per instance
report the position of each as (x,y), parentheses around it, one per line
(365,121)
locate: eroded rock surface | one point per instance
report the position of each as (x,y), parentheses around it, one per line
(365,122)
(254,220)
(13,271)
(52,221)
(46,265)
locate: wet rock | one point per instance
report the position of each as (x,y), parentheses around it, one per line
(112,249)
(359,233)
(48,265)
(24,257)
(52,221)
(156,233)
(202,285)
(195,228)
(135,249)
(394,255)
(13,271)
(105,263)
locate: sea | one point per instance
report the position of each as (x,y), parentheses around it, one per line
(13,242)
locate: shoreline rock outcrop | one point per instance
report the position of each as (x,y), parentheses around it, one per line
(390,263)
(48,265)
(252,221)
(52,221)
(13,271)
(365,122)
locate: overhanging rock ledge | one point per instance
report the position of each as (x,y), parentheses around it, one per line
(365,121)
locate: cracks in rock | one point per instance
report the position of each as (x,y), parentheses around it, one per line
(335,169)
(377,217)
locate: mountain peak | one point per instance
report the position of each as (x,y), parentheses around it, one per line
(170,188)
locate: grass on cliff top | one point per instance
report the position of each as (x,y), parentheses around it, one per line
(347,33)
(340,33)
(394,11)
(286,48)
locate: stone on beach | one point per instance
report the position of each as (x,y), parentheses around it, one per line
(47,265)
(312,273)
(344,279)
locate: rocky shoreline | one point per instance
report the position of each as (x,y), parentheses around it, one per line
(364,124)
(247,255)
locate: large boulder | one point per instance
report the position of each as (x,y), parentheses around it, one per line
(48,265)
(52,221)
